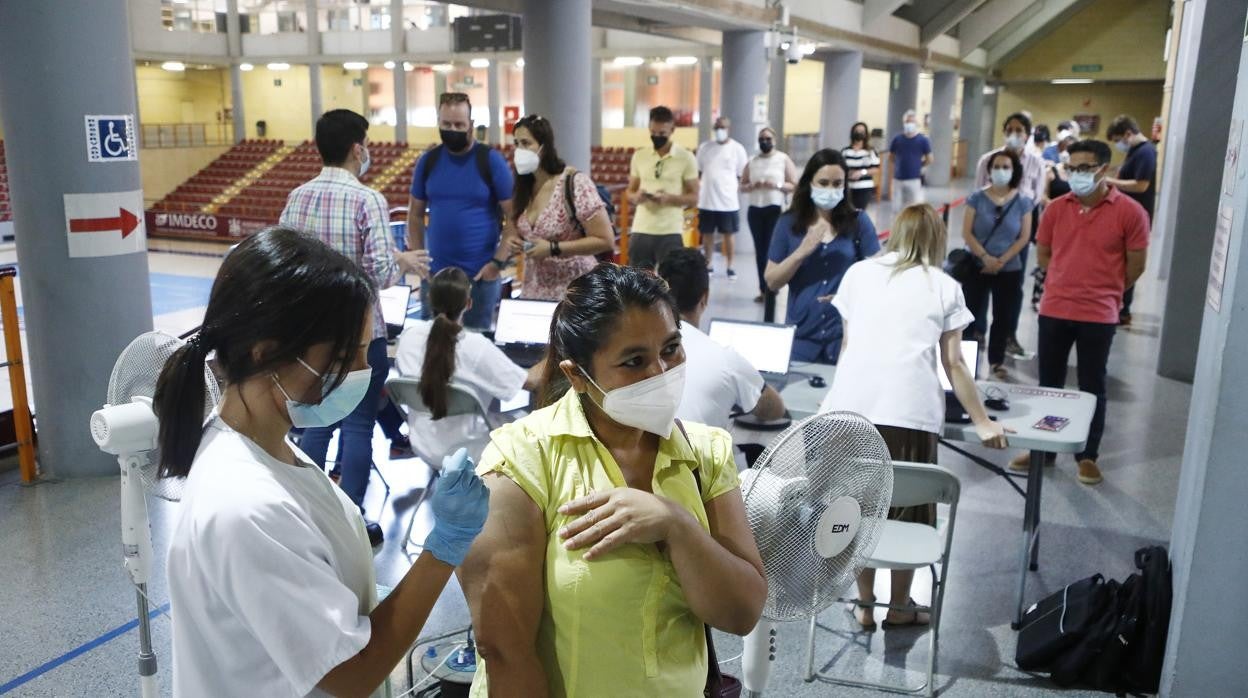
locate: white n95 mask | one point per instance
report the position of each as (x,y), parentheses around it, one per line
(526,161)
(649,405)
(334,406)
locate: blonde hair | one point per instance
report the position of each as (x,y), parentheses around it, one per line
(918,237)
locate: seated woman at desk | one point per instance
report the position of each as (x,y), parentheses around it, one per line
(815,241)
(614,532)
(439,352)
(901,312)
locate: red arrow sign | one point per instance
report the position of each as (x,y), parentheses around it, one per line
(126,222)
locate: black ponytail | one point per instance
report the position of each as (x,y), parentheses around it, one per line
(449,291)
(281,291)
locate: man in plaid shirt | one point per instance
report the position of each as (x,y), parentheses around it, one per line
(354,220)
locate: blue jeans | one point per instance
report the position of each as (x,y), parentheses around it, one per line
(485,296)
(355,448)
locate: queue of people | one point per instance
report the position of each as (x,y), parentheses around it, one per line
(624,479)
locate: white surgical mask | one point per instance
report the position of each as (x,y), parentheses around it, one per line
(1001,177)
(365,163)
(334,406)
(1123,146)
(827,198)
(1082,183)
(721,135)
(526,161)
(649,405)
(910,127)
(1014,141)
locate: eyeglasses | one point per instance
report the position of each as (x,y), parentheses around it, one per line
(1083,169)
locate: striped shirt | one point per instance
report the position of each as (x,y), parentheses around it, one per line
(352,219)
(860,159)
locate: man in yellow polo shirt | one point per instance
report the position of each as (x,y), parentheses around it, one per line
(662,181)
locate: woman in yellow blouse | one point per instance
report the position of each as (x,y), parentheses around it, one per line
(612,538)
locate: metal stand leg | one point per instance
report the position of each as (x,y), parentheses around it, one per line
(1031,530)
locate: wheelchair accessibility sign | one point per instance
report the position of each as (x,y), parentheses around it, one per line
(111,138)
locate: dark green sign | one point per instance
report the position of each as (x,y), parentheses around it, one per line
(1086,68)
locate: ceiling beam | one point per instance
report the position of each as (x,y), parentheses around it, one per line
(875,10)
(1006,44)
(948,17)
(991,18)
(882,49)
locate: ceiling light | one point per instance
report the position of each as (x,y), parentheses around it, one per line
(443,68)
(173,66)
(628,61)
(479,63)
(278,66)
(408,67)
(519,62)
(1071,81)
(246,67)
(389,65)
(355,65)
(784,46)
(808,49)
(682,60)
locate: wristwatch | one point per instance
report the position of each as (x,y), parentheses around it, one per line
(501,265)
(554,248)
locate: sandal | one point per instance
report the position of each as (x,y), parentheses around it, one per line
(854,608)
(920,618)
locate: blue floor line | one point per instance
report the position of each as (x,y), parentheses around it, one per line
(76,652)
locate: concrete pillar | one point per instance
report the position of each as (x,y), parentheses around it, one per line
(595,102)
(493,92)
(1196,140)
(988,121)
(557,48)
(775,99)
(439,86)
(314,90)
(313,28)
(972,117)
(903,95)
(842,82)
(80,312)
(234,41)
(746,68)
(944,97)
(706,93)
(1207,629)
(398,46)
(630,98)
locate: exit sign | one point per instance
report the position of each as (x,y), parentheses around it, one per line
(1086,68)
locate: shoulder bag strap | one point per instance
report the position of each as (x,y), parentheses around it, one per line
(569,198)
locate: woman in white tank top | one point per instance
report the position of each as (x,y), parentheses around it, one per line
(769,179)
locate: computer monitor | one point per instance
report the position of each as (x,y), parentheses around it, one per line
(523,321)
(765,345)
(970,354)
(394,302)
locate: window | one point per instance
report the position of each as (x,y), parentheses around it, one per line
(426,14)
(273,16)
(353,15)
(206,16)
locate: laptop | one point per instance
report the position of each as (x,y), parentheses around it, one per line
(954,412)
(767,346)
(394,303)
(523,329)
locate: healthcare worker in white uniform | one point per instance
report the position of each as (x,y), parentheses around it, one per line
(270,572)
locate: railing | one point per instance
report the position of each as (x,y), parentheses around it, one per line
(185,135)
(23,425)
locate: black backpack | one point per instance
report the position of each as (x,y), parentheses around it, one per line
(1142,670)
(482,152)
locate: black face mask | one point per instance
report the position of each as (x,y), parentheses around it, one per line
(454,141)
(766,145)
(860,136)
(658,141)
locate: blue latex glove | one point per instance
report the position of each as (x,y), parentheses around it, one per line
(460,502)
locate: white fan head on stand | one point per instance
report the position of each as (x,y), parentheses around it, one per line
(816,501)
(134,376)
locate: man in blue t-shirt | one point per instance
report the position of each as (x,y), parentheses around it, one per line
(911,153)
(1137,178)
(467,186)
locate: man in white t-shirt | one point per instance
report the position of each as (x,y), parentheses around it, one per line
(721,161)
(718,377)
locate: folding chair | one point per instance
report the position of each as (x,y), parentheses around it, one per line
(405,392)
(910,546)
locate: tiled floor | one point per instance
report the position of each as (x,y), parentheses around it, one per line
(61,582)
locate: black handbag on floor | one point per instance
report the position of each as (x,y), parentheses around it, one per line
(1059,621)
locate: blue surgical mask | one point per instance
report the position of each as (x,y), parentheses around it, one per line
(1015,141)
(334,405)
(1082,183)
(1123,146)
(1001,178)
(826,198)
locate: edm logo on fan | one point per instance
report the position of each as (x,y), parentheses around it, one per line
(837,527)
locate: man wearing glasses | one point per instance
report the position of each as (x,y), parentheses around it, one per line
(1093,242)
(662,181)
(467,188)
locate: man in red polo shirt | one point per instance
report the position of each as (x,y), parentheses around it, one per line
(1093,243)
